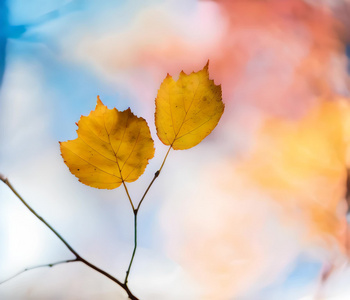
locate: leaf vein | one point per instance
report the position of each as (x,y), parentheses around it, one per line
(95,134)
(92,164)
(98,152)
(132,150)
(194,129)
(189,108)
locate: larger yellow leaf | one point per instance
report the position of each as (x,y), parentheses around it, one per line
(187,110)
(111,147)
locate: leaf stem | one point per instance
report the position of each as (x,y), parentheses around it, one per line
(136,212)
(78,257)
(154,178)
(127,192)
(161,167)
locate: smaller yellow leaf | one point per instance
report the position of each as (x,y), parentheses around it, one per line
(111,147)
(187,110)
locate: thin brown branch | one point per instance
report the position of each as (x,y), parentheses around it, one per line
(78,257)
(134,251)
(39,266)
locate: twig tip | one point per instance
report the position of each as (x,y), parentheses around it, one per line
(3,178)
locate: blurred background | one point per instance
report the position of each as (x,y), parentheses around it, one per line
(257,211)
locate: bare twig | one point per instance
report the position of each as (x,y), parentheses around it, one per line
(134,251)
(78,257)
(39,266)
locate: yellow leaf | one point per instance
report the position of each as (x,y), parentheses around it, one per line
(187,110)
(111,147)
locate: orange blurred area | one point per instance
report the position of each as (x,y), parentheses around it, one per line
(247,221)
(303,164)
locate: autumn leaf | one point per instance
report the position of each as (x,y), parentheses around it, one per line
(187,110)
(111,147)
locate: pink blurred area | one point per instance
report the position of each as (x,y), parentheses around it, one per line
(277,56)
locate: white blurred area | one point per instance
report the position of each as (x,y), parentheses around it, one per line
(205,231)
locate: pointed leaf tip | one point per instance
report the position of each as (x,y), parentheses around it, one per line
(206,67)
(99,102)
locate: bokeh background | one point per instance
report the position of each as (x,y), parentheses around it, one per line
(256,211)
